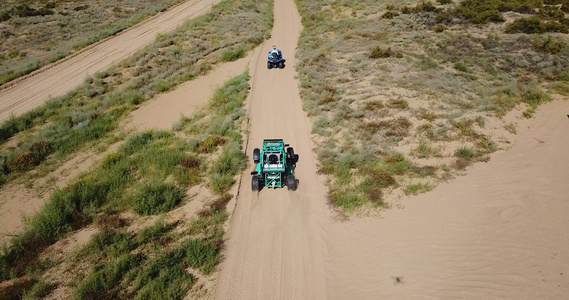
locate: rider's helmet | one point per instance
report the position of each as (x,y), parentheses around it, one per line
(274,47)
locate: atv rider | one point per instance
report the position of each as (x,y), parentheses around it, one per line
(275,53)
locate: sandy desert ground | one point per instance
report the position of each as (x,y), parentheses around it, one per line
(498,232)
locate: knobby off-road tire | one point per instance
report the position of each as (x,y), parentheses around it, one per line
(256,155)
(291,182)
(269,65)
(255,183)
(291,155)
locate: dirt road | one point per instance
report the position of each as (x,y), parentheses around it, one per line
(276,247)
(59,78)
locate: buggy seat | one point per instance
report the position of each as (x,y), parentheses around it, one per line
(272,161)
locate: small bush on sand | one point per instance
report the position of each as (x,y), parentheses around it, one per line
(155,198)
(389,14)
(378,52)
(415,189)
(465,153)
(99,283)
(233,54)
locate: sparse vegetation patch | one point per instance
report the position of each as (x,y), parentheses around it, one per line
(459,68)
(148,174)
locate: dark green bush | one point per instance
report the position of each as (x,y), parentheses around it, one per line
(5,16)
(481,11)
(27,159)
(425,6)
(444,17)
(233,54)
(535,25)
(389,14)
(156,198)
(100,283)
(111,243)
(461,66)
(549,45)
(202,254)
(440,28)
(377,52)
(23,161)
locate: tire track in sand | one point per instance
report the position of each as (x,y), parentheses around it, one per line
(59,78)
(276,247)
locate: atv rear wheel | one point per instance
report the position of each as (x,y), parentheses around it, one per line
(255,183)
(281,65)
(291,182)
(269,65)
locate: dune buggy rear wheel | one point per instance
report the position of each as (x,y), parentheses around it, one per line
(255,183)
(291,182)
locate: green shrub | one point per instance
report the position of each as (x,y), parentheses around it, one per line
(486,145)
(39,290)
(415,189)
(154,232)
(5,16)
(211,143)
(221,183)
(440,28)
(461,66)
(389,14)
(535,25)
(100,283)
(202,255)
(377,52)
(164,277)
(465,153)
(549,45)
(444,17)
(396,164)
(156,198)
(163,86)
(111,243)
(23,161)
(233,54)
(424,150)
(136,142)
(480,12)
(346,200)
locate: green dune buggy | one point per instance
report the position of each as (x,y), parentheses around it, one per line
(274,166)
